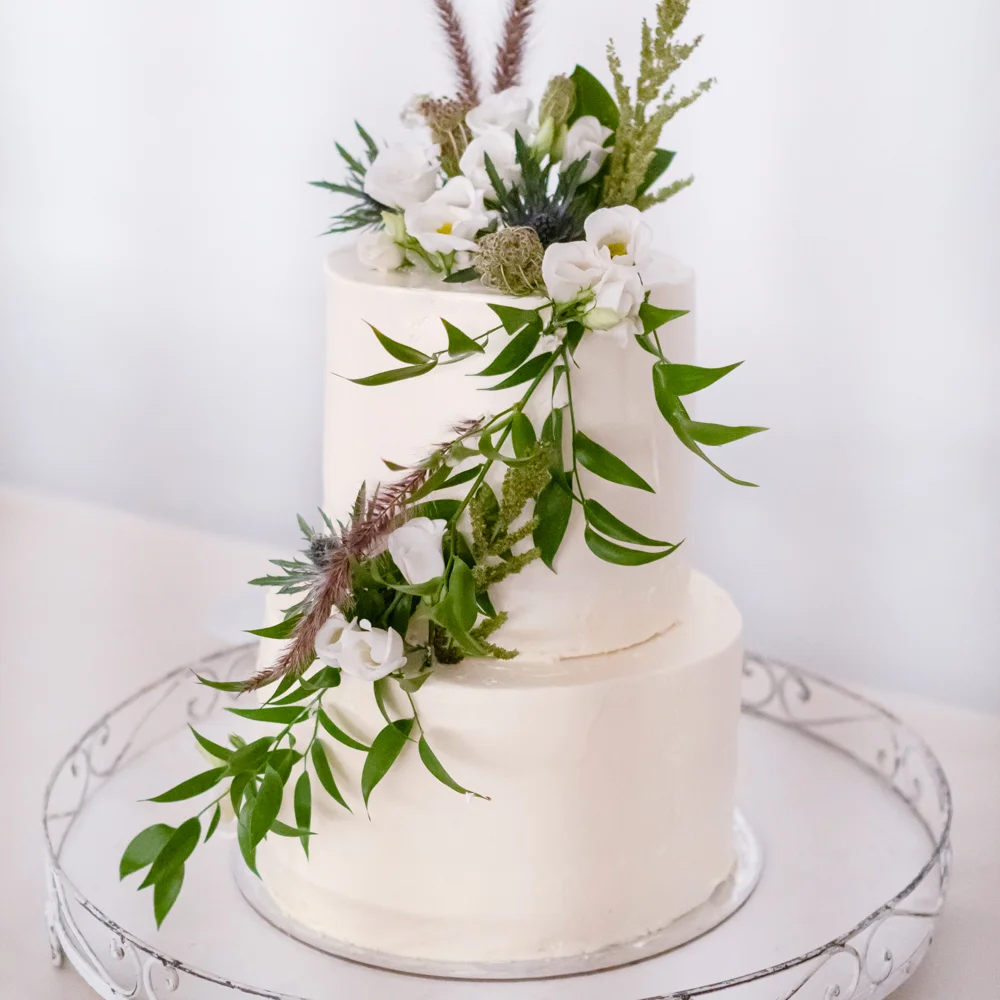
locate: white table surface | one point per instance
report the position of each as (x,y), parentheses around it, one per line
(95,602)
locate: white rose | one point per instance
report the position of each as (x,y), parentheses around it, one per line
(402,175)
(586,136)
(508,111)
(379,251)
(370,653)
(415,548)
(449,219)
(617,298)
(568,269)
(327,645)
(499,147)
(621,234)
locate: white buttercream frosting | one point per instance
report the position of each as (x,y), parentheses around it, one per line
(610,780)
(587,606)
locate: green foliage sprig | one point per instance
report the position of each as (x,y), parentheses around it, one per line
(645,111)
(365,212)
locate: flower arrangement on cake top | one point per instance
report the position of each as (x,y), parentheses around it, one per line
(488,189)
(548,206)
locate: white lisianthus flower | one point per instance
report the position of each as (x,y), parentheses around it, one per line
(370,653)
(327,645)
(449,219)
(415,548)
(403,175)
(586,136)
(379,251)
(617,298)
(499,147)
(569,269)
(621,234)
(508,111)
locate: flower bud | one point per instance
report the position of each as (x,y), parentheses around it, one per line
(601,318)
(558,101)
(394,225)
(543,139)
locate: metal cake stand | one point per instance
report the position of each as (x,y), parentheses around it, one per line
(852,807)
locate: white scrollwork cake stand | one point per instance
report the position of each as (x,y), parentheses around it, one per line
(853,809)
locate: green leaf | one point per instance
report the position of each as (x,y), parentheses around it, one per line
(528,371)
(436,768)
(612,552)
(460,345)
(192,786)
(231,686)
(237,787)
(603,463)
(443,508)
(221,753)
(462,477)
(514,320)
(380,689)
(250,757)
(653,317)
(461,276)
(433,483)
(283,761)
(283,715)
(143,848)
(280,631)
(515,353)
(552,508)
(719,434)
(327,677)
(322,768)
(267,805)
(599,517)
(302,800)
(165,893)
(662,158)
(462,591)
(408,355)
(339,735)
(394,374)
(522,435)
(284,830)
(247,846)
(175,851)
(673,411)
(386,747)
(686,379)
(301,693)
(213,823)
(592,98)
(489,451)
(574,334)
(552,433)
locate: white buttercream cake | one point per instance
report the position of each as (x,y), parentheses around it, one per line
(607,748)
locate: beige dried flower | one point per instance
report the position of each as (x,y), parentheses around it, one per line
(446,120)
(510,260)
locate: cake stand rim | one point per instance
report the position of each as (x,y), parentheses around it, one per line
(58,881)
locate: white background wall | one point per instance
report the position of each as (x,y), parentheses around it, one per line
(161,301)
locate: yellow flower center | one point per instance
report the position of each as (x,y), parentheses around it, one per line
(617,249)
(445,229)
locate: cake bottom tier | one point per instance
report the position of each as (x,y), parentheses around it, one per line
(610,783)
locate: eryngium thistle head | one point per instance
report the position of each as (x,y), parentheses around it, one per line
(558,101)
(321,549)
(446,120)
(510,260)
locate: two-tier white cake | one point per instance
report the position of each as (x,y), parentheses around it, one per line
(607,748)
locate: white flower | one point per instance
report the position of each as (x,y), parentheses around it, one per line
(499,147)
(508,111)
(328,638)
(403,175)
(586,136)
(449,219)
(620,234)
(379,251)
(415,548)
(617,298)
(568,269)
(370,653)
